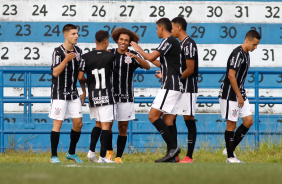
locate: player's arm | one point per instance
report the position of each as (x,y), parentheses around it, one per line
(157,63)
(190,64)
(60,68)
(82,81)
(148,56)
(234,84)
(142,62)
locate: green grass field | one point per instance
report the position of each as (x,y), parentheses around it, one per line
(264,166)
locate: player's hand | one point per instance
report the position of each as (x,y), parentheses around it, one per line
(83,97)
(135,46)
(131,55)
(240,101)
(158,74)
(69,56)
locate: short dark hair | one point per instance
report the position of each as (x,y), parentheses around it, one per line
(253,34)
(68,27)
(181,21)
(101,35)
(121,30)
(165,22)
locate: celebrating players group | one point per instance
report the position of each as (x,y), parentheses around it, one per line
(109,79)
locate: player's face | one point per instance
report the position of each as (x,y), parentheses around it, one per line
(175,30)
(123,42)
(159,31)
(71,36)
(252,44)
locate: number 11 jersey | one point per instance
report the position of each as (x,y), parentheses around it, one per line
(98,65)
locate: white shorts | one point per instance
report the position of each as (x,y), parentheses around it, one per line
(125,111)
(231,111)
(167,101)
(187,104)
(102,113)
(63,109)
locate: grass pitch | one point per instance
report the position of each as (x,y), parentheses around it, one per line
(264,166)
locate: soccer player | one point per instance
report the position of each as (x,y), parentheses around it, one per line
(98,65)
(232,96)
(186,107)
(65,101)
(165,103)
(127,61)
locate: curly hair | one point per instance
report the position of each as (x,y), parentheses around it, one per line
(118,31)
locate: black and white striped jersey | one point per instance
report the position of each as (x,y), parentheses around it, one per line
(238,60)
(189,51)
(64,86)
(98,65)
(170,60)
(123,76)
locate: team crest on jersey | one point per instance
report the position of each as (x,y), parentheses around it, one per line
(57,111)
(127,59)
(234,112)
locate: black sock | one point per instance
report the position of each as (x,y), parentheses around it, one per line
(173,133)
(110,146)
(95,134)
(121,142)
(229,139)
(74,137)
(240,134)
(192,135)
(104,139)
(163,129)
(55,136)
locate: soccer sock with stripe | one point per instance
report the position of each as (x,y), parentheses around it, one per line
(229,139)
(121,142)
(74,137)
(192,135)
(104,139)
(240,134)
(163,129)
(55,136)
(95,134)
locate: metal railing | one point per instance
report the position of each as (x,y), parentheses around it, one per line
(27,99)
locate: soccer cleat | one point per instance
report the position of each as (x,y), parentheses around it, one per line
(187,160)
(55,160)
(105,160)
(170,154)
(177,158)
(110,154)
(73,157)
(233,160)
(91,156)
(118,160)
(224,152)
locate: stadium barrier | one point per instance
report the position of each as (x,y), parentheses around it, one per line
(28,75)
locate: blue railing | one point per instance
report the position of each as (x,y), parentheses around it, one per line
(26,82)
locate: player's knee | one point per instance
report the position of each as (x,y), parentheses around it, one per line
(152,118)
(122,129)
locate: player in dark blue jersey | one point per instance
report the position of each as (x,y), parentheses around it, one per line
(232,96)
(165,103)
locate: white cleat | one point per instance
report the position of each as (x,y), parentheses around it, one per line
(105,160)
(224,152)
(91,156)
(233,160)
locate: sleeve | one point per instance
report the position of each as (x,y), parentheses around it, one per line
(82,64)
(190,50)
(235,60)
(136,63)
(164,46)
(56,59)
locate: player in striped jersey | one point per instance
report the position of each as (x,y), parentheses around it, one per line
(99,65)
(65,101)
(125,65)
(165,103)
(232,96)
(186,107)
